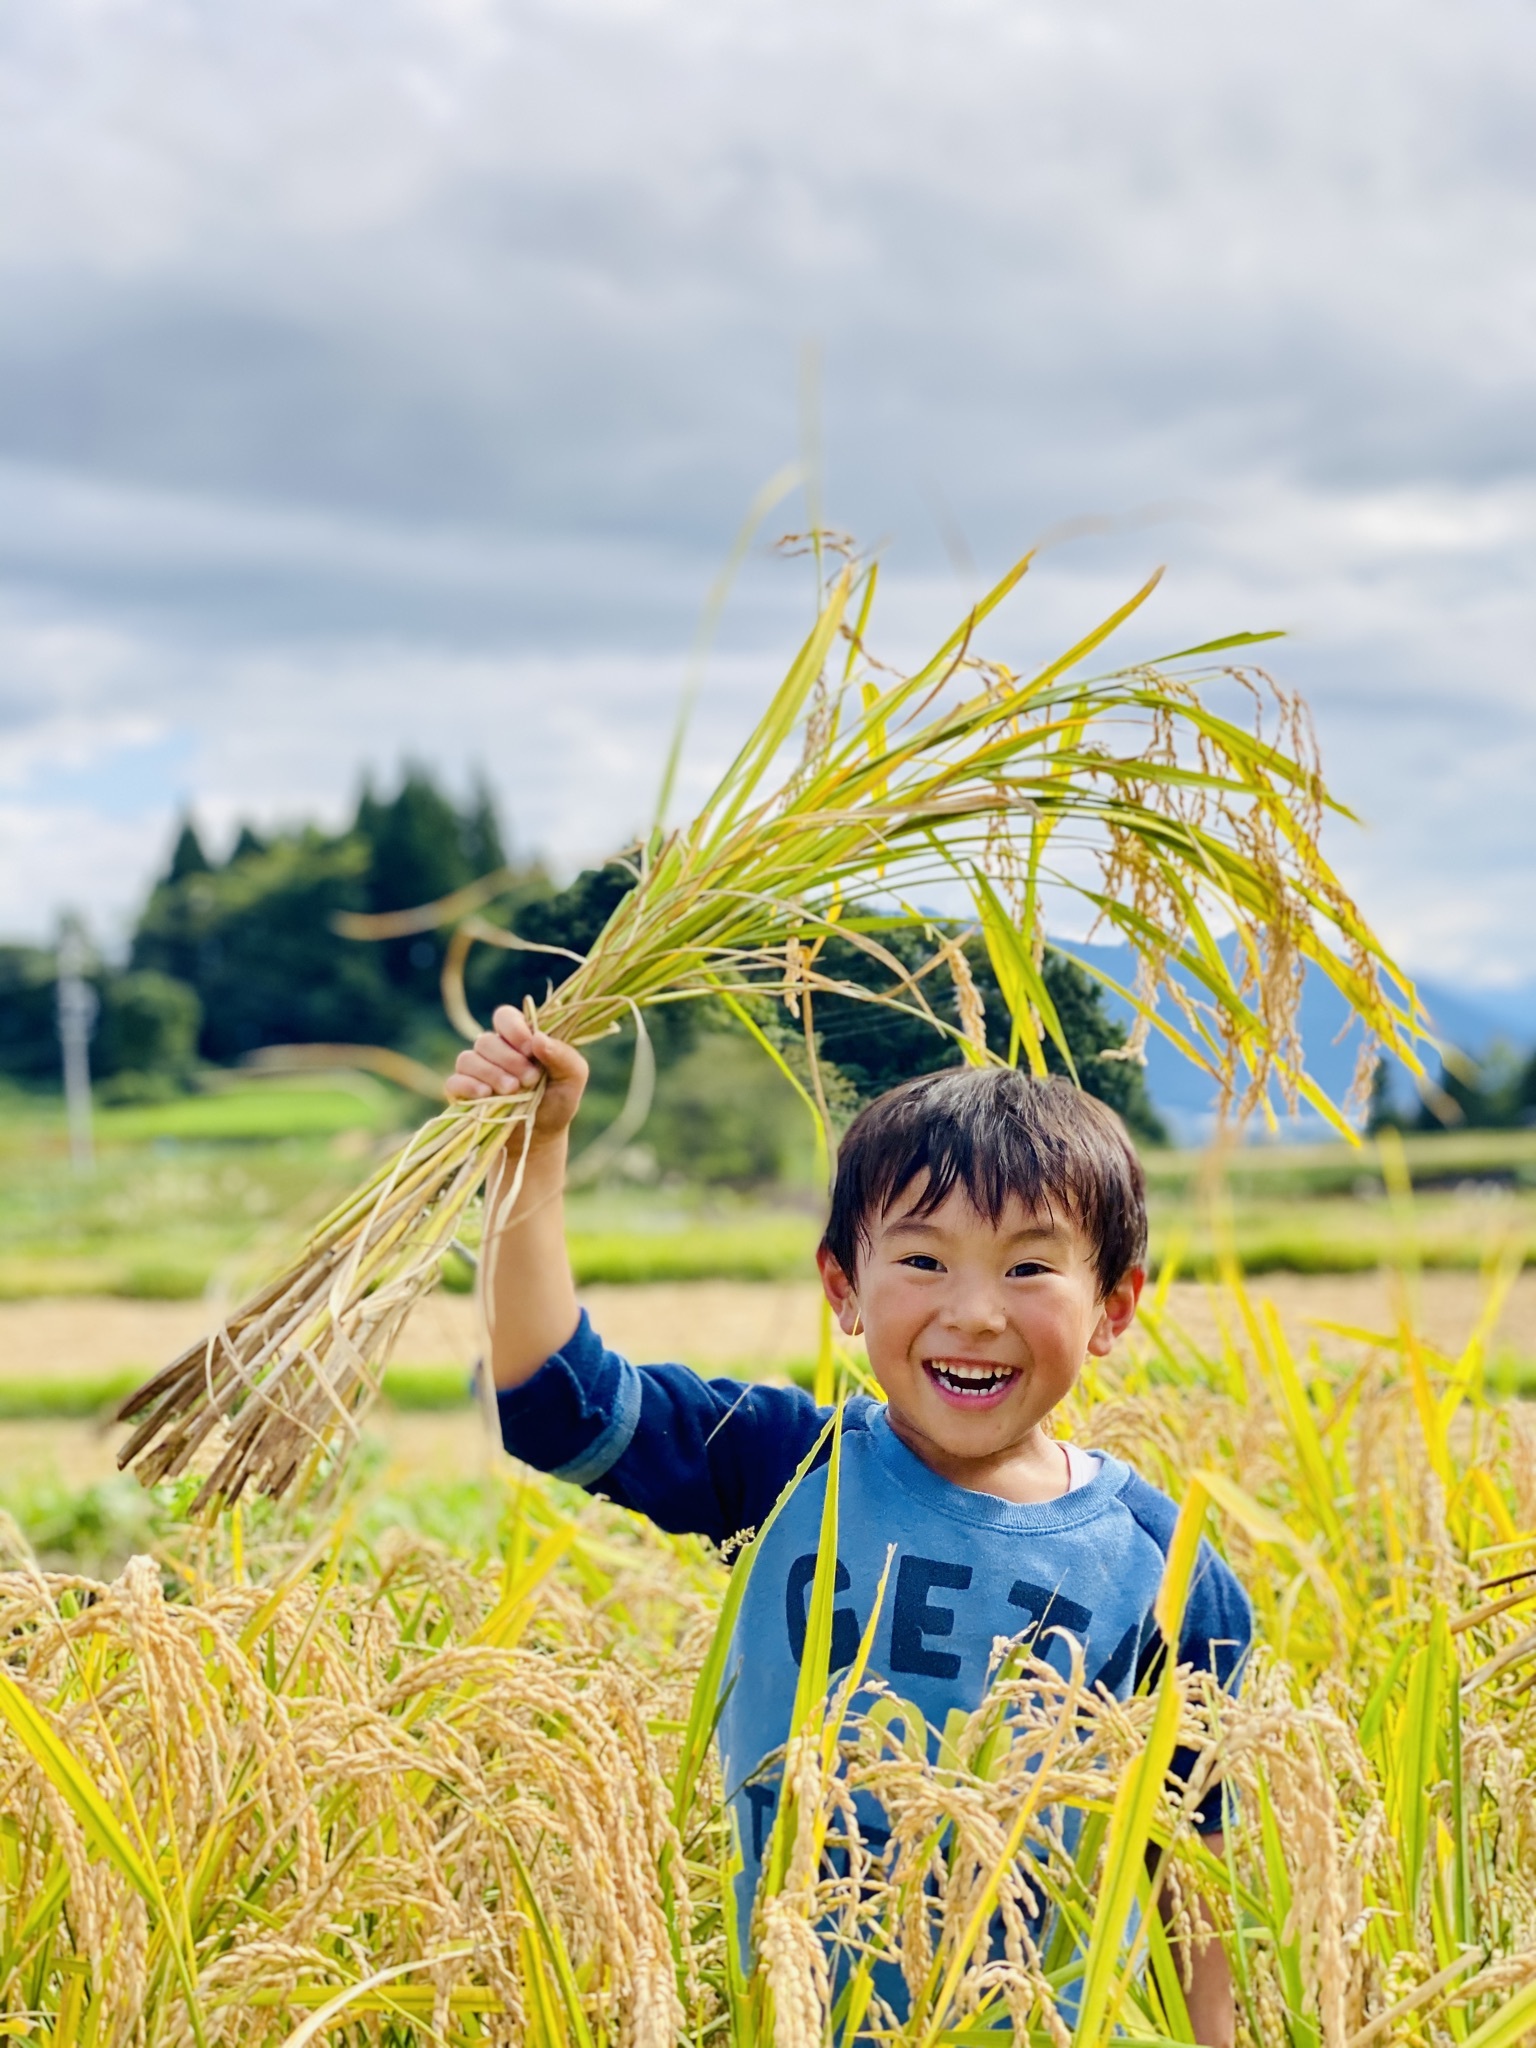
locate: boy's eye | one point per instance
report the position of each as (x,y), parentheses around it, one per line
(923,1262)
(1026,1269)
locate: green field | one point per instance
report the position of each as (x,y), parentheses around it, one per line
(210,1188)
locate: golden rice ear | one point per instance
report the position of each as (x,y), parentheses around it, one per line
(1130,789)
(465,1791)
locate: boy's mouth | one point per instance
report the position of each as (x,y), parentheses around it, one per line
(970,1382)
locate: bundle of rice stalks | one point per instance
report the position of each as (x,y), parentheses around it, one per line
(1129,790)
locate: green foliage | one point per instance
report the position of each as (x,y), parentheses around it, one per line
(228,957)
(38,1397)
(187,856)
(767,1248)
(149,1025)
(181,1188)
(92,1529)
(876,1047)
(1498,1094)
(29,1045)
(254,940)
(255,937)
(569,921)
(163,1280)
(421,846)
(723,1114)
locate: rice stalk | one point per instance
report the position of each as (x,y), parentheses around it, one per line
(251,1782)
(1130,790)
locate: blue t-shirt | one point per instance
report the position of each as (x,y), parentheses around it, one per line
(713,1456)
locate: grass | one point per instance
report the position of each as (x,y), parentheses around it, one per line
(773,1248)
(37,1397)
(1296,1172)
(242,1111)
(182,1191)
(205,1188)
(459,1733)
(161,1224)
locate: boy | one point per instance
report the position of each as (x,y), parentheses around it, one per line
(987,1233)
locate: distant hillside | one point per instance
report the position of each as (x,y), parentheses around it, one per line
(1472,1021)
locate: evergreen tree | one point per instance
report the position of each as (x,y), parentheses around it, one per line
(188,857)
(1382,1112)
(481,832)
(877,1047)
(421,848)
(255,942)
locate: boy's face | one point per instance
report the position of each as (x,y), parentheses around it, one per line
(976,1331)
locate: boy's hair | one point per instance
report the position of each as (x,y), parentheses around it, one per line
(996,1133)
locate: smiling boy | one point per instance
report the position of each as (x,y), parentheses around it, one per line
(987,1235)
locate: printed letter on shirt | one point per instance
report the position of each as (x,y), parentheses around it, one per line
(916,1616)
(845,1623)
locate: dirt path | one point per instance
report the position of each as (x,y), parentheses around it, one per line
(714,1322)
(709,1322)
(705,1323)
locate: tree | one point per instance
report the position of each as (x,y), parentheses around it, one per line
(254,938)
(254,941)
(570,919)
(421,848)
(1492,1094)
(148,1025)
(877,1047)
(187,857)
(29,1038)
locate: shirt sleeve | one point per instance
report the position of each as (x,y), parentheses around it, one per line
(1215,1636)
(696,1456)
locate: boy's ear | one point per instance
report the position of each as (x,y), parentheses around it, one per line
(1117,1311)
(838,1289)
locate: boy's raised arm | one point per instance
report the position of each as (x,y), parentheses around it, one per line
(693,1454)
(530,1296)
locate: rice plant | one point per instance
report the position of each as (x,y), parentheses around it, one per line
(265,1790)
(1175,821)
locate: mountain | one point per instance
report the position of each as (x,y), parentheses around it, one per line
(1472,1020)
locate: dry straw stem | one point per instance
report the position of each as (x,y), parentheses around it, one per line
(227,1809)
(1131,790)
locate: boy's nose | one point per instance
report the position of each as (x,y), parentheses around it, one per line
(977,1312)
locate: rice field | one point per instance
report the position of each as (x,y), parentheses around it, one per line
(384,1763)
(197,1195)
(434,1766)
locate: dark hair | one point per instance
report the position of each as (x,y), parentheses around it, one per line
(996,1133)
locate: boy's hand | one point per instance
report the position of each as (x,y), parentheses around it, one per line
(511,1057)
(530,1298)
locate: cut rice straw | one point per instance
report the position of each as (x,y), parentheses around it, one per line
(1174,822)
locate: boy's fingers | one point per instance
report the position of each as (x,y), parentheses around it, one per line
(500,1080)
(560,1061)
(508,1021)
(496,1049)
(462,1088)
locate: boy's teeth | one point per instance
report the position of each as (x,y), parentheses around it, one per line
(970,1379)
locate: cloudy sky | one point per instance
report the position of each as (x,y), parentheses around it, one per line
(389,379)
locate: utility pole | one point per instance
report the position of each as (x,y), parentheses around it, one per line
(77,1017)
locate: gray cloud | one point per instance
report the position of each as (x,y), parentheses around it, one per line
(393,378)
